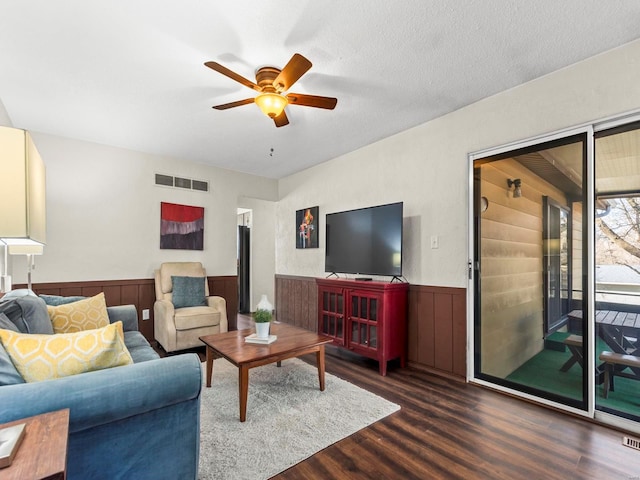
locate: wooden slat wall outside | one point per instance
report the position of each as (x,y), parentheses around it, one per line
(437,321)
(139,292)
(511,266)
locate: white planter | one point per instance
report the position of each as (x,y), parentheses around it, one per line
(262,329)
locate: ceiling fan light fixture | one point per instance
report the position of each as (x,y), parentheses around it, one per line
(272,84)
(271,104)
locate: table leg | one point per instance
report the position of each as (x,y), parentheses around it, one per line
(607,379)
(320,362)
(209,365)
(243,383)
(576,357)
(608,334)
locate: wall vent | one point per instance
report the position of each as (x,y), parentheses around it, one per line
(631,442)
(165,180)
(200,185)
(181,182)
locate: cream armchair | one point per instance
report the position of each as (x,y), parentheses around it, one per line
(180,328)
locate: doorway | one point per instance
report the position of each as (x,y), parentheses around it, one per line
(244,260)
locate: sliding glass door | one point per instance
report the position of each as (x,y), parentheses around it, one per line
(555,257)
(617,265)
(529,259)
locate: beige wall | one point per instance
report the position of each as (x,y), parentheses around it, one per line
(103,212)
(262,255)
(427,166)
(5,121)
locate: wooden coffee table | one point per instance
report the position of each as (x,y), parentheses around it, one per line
(292,342)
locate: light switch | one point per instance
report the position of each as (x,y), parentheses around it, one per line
(434,241)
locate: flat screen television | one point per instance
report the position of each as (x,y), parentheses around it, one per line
(366,241)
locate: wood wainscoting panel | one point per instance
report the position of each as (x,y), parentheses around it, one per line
(437,321)
(297,301)
(145,294)
(141,293)
(443,331)
(227,287)
(437,339)
(421,327)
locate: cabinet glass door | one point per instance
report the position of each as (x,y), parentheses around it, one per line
(364,320)
(332,323)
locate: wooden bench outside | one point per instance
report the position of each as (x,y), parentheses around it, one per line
(574,344)
(615,364)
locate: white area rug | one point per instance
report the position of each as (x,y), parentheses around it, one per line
(288,418)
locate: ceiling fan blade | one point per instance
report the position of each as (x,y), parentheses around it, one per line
(297,66)
(239,103)
(232,75)
(281,120)
(312,101)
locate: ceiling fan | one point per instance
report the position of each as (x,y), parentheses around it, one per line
(272,82)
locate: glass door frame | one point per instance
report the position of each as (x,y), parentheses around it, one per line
(603,125)
(588,279)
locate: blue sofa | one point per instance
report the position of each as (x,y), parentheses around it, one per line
(140,421)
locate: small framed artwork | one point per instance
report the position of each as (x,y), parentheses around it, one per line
(181,227)
(307,227)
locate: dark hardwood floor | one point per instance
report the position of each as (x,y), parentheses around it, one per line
(447,429)
(452,430)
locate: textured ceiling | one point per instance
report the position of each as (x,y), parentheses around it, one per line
(131,74)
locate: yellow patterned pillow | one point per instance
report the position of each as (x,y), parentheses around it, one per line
(45,357)
(81,315)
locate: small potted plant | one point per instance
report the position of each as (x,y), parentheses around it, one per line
(263,321)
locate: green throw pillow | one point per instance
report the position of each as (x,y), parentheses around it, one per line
(188,291)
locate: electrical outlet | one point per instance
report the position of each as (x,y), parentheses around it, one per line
(145,314)
(434,241)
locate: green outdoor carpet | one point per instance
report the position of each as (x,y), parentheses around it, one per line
(543,372)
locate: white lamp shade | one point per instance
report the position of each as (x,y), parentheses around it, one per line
(22,189)
(33,249)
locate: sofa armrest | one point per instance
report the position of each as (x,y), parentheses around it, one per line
(125,313)
(106,396)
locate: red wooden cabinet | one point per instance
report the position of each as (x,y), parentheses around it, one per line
(369,318)
(331,309)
